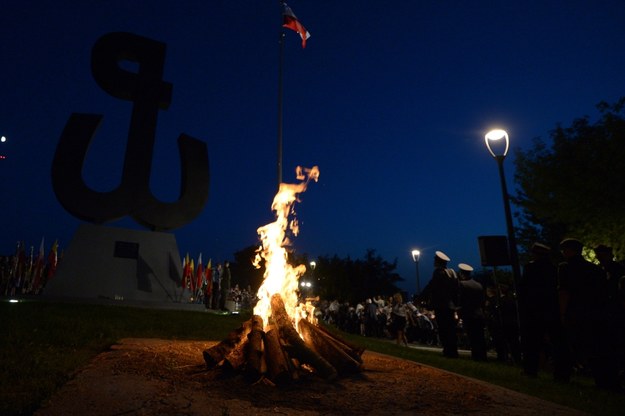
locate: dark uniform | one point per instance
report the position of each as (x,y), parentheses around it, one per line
(614,274)
(442,293)
(583,308)
(224,285)
(541,329)
(471,301)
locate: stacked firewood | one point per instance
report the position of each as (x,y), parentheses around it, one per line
(278,353)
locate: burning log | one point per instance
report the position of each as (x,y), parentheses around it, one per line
(255,361)
(279,354)
(353,350)
(216,354)
(237,357)
(330,348)
(279,365)
(296,345)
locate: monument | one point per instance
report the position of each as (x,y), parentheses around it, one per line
(116,263)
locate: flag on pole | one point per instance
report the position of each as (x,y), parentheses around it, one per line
(52,259)
(199,274)
(38,270)
(209,278)
(186,269)
(20,257)
(192,276)
(290,21)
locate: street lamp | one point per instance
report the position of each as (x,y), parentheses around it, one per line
(2,140)
(415,257)
(306,288)
(307,284)
(499,151)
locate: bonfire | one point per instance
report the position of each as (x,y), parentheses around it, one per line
(283,340)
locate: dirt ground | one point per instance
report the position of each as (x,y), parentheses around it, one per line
(161,377)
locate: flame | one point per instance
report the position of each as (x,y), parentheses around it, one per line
(280,277)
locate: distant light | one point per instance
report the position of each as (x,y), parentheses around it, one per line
(14,301)
(3,139)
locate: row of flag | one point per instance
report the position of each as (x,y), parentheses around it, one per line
(195,275)
(27,273)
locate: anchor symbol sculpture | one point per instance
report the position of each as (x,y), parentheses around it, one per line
(149,93)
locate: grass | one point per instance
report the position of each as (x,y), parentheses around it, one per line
(42,344)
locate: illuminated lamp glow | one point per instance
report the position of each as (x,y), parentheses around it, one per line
(494,136)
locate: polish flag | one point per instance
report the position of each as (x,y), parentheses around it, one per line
(290,21)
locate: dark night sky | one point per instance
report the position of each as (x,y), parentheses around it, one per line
(390,99)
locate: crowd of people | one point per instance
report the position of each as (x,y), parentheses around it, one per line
(213,287)
(567,317)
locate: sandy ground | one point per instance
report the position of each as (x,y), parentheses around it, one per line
(162,377)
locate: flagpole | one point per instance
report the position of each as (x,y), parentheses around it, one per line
(280,92)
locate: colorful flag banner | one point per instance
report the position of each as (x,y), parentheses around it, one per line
(199,274)
(290,21)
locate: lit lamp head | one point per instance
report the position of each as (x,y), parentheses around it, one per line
(313,264)
(3,139)
(415,255)
(499,139)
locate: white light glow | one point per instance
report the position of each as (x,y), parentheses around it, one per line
(415,255)
(494,136)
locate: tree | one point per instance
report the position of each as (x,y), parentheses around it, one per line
(333,278)
(355,280)
(244,272)
(576,186)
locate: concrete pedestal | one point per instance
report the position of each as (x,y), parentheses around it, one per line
(120,264)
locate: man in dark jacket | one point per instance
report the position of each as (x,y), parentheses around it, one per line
(584,313)
(442,293)
(541,329)
(471,302)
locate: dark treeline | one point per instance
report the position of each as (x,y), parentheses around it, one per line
(332,277)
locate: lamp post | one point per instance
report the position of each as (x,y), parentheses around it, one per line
(493,139)
(415,257)
(2,140)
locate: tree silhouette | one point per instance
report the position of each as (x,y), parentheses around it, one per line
(575,187)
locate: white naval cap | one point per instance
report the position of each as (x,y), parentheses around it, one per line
(442,256)
(465,267)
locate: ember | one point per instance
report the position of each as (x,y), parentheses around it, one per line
(283,340)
